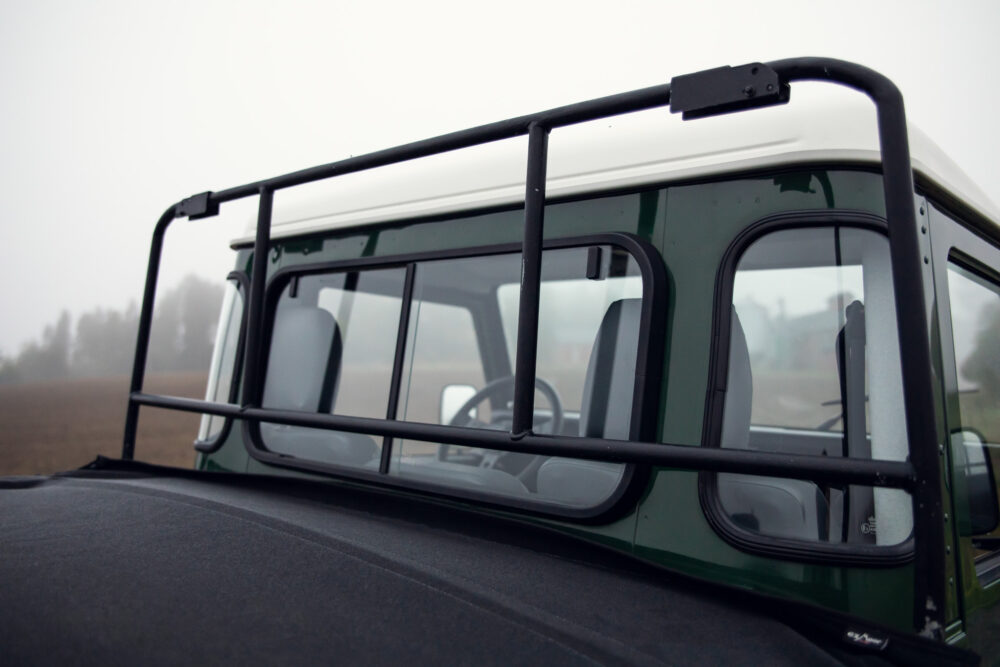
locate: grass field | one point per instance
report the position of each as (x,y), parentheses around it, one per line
(54,426)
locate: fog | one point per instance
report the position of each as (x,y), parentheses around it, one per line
(113,110)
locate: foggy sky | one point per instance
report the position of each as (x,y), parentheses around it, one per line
(113,110)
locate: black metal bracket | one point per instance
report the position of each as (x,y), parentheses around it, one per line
(198,206)
(726,89)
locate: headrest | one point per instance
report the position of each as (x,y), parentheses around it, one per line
(305,342)
(606,409)
(739,389)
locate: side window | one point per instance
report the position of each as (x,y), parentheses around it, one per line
(462,333)
(332,348)
(814,368)
(220,377)
(975,324)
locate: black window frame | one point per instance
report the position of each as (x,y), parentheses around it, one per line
(711,504)
(646,390)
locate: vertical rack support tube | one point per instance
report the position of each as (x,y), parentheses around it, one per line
(254,377)
(918,377)
(145,324)
(531,272)
(911,319)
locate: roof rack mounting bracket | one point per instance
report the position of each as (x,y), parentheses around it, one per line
(726,90)
(198,206)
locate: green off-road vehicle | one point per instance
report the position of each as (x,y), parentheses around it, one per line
(711,392)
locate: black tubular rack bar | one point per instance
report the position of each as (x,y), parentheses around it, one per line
(920,476)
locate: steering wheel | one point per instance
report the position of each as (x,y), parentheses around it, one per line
(496,388)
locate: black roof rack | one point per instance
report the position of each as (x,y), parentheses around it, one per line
(711,92)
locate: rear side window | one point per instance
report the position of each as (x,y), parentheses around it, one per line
(814,368)
(975,323)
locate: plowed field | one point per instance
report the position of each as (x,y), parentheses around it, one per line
(54,426)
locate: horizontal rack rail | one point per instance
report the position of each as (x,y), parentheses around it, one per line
(824,469)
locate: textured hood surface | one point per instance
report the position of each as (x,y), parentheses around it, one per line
(126,567)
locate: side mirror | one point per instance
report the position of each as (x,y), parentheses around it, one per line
(453,396)
(973,459)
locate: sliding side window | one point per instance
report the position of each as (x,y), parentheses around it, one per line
(814,368)
(334,348)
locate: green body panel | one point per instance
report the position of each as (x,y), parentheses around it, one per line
(673,531)
(691,225)
(633,213)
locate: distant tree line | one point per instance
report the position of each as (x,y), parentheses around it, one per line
(103,341)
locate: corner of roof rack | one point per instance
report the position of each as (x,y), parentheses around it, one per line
(726,90)
(198,206)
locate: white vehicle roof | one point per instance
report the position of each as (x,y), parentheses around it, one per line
(619,152)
